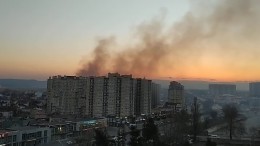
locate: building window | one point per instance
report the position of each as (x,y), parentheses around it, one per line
(24,137)
(45,140)
(9,139)
(45,133)
(39,134)
(14,138)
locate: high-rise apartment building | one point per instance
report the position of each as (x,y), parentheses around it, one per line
(66,95)
(176,95)
(254,89)
(96,101)
(100,97)
(143,96)
(220,89)
(126,97)
(120,95)
(156,89)
(117,95)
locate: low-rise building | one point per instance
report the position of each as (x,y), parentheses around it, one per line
(38,113)
(6,114)
(25,136)
(70,128)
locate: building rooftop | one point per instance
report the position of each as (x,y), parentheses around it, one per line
(60,121)
(23,128)
(5,130)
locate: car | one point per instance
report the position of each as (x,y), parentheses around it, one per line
(132,125)
(157,118)
(115,138)
(69,142)
(190,141)
(163,117)
(214,136)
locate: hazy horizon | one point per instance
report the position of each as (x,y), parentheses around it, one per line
(188,84)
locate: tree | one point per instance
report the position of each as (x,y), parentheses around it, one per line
(206,123)
(135,139)
(33,104)
(101,138)
(150,131)
(213,114)
(230,115)
(181,127)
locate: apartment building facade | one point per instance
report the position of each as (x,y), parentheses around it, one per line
(115,94)
(176,95)
(66,95)
(143,96)
(156,90)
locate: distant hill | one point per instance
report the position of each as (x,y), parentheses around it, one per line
(202,85)
(22,84)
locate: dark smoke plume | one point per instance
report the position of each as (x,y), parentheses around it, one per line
(221,30)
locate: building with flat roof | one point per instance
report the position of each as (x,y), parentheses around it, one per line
(155,98)
(66,95)
(115,94)
(27,136)
(142,97)
(176,95)
(63,128)
(254,89)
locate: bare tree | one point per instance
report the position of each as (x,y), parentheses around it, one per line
(231,115)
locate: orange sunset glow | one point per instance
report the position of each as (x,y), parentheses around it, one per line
(171,39)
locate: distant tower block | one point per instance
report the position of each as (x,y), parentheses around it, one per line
(176,95)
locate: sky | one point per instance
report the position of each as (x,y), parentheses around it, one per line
(156,39)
